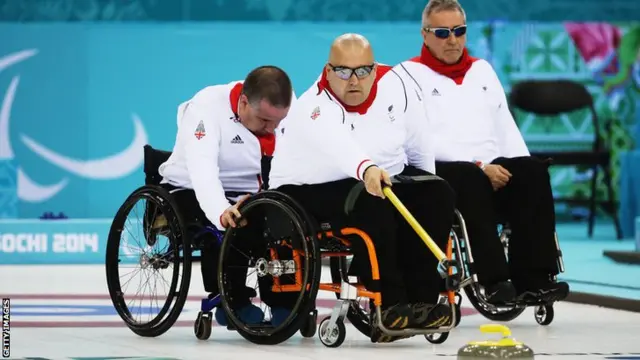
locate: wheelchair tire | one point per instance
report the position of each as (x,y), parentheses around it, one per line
(544,314)
(311,265)
(202,327)
(357,316)
(331,337)
(179,287)
(437,338)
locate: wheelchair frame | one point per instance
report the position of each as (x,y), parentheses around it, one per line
(456,266)
(333,244)
(544,312)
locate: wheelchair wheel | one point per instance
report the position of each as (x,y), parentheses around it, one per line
(357,315)
(164,249)
(278,247)
(462,251)
(437,338)
(544,314)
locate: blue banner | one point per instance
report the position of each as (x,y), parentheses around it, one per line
(80,100)
(53,241)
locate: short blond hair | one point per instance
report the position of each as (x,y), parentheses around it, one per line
(441,5)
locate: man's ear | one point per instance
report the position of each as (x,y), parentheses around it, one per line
(423,32)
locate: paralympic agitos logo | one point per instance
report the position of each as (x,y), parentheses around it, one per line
(108,168)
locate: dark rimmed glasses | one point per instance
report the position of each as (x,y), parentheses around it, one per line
(345,72)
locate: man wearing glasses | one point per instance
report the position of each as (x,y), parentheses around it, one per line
(361,122)
(481,153)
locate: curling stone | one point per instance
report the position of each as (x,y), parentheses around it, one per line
(505,348)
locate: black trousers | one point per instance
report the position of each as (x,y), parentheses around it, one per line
(195,220)
(248,242)
(526,203)
(408,269)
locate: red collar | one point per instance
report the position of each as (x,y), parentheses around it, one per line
(234,98)
(267,142)
(364,107)
(456,71)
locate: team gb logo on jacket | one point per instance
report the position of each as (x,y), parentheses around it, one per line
(316,113)
(200,131)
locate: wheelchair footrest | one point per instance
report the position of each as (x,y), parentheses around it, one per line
(207,305)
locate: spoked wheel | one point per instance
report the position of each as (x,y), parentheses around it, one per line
(148,262)
(502,313)
(544,314)
(358,314)
(276,254)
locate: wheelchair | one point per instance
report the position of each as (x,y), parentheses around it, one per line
(288,262)
(543,313)
(288,229)
(459,249)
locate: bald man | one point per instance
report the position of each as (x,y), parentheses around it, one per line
(360,122)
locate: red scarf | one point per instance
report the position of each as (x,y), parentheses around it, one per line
(456,71)
(267,142)
(364,107)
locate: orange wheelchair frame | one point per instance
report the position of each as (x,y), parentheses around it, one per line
(332,331)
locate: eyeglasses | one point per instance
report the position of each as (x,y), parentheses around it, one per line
(345,73)
(443,33)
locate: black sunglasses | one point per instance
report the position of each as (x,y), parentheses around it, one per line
(345,72)
(443,33)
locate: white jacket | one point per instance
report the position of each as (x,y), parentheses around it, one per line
(214,153)
(470,121)
(322,142)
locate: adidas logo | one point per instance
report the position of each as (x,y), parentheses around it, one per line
(237,140)
(435,92)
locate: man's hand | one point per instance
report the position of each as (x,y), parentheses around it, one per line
(498,175)
(229,216)
(373,178)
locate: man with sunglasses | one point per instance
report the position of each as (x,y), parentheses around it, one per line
(361,122)
(481,153)
(226,137)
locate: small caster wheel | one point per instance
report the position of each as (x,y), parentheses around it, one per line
(202,326)
(308,328)
(331,336)
(437,338)
(544,314)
